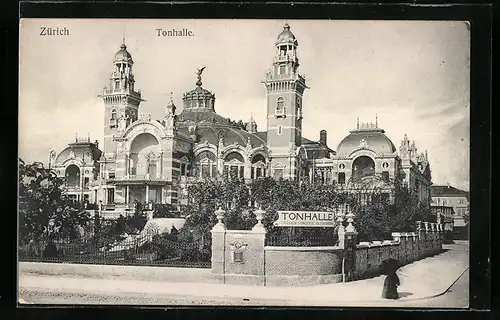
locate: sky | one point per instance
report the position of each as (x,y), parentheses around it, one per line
(413,75)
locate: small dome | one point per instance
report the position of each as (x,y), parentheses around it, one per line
(123,54)
(286,36)
(374,139)
(198,93)
(199,98)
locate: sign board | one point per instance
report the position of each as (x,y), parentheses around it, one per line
(305,219)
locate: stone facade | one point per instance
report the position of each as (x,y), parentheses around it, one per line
(150,160)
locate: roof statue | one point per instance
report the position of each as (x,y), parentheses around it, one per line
(198,74)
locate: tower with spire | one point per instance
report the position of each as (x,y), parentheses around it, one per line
(121,100)
(284,90)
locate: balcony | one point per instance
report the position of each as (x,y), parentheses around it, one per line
(76,188)
(139,179)
(185,179)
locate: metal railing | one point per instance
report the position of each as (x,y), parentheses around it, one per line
(302,237)
(140,250)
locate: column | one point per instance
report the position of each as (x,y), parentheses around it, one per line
(147,193)
(127,195)
(248,168)
(161,164)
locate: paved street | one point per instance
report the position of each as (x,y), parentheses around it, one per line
(421,279)
(456,297)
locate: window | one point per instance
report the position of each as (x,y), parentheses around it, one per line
(282,69)
(278,173)
(341,178)
(258,166)
(206,164)
(385,176)
(152,169)
(280,130)
(280,106)
(111,195)
(86,181)
(111,175)
(183,169)
(113,114)
(234,166)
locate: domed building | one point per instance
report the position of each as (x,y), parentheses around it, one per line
(154,161)
(78,164)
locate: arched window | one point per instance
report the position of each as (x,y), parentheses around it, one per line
(280,107)
(184,166)
(278,171)
(72,176)
(362,167)
(234,165)
(206,164)
(258,166)
(113,114)
(280,130)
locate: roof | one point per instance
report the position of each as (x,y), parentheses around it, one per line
(374,137)
(210,127)
(123,54)
(79,149)
(448,191)
(286,36)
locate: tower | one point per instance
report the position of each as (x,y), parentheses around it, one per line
(121,101)
(284,90)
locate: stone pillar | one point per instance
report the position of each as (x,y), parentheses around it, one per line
(147,193)
(341,229)
(218,244)
(248,168)
(350,248)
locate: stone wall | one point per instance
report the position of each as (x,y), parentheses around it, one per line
(241,257)
(405,247)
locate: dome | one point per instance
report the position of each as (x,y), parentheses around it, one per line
(372,138)
(197,94)
(286,36)
(199,99)
(80,150)
(123,54)
(212,134)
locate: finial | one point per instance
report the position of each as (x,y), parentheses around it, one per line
(376,120)
(286,26)
(123,46)
(88,137)
(171,98)
(357,124)
(76,137)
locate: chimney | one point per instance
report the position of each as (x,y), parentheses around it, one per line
(322,137)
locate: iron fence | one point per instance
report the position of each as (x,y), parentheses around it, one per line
(302,237)
(149,249)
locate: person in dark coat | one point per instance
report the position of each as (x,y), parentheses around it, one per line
(391,282)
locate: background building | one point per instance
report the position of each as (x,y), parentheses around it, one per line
(458,200)
(154,161)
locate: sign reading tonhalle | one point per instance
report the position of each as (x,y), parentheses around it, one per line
(305,219)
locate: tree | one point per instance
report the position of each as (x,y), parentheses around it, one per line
(44,211)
